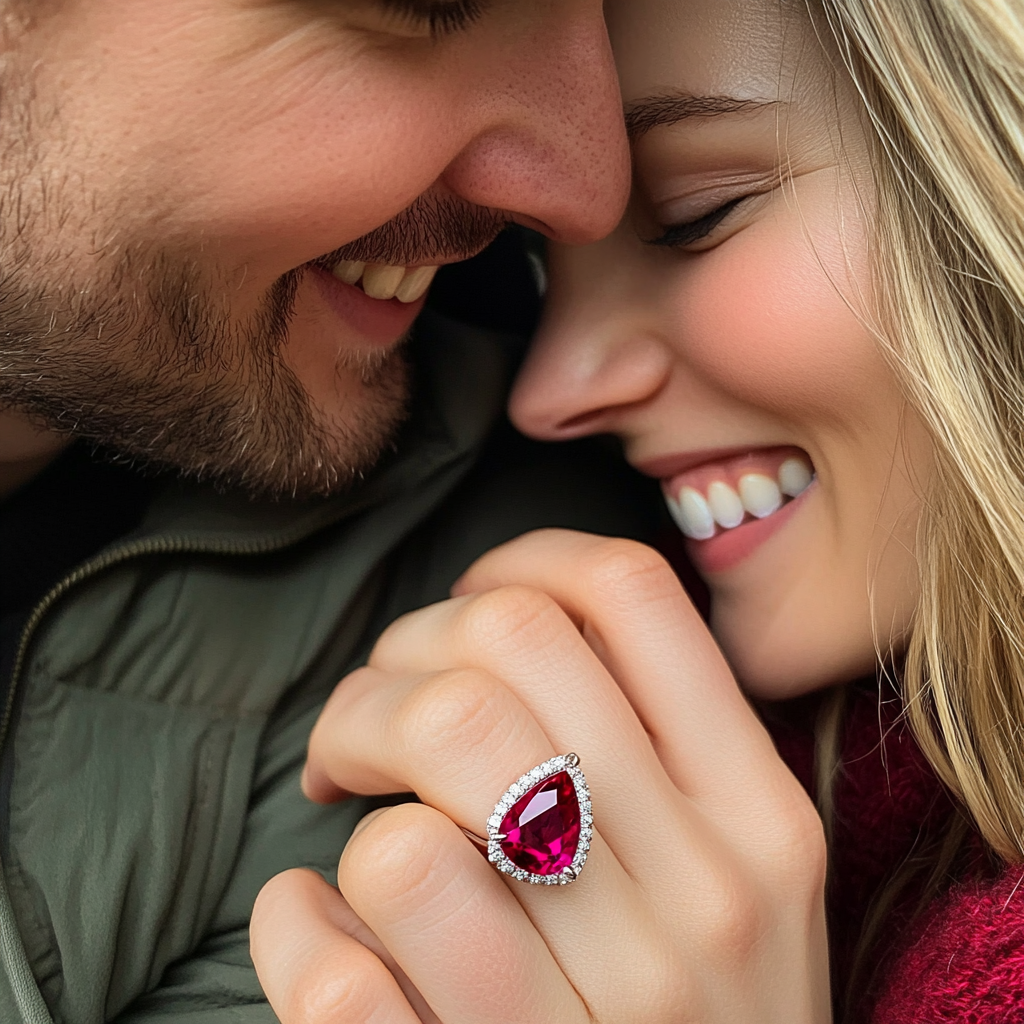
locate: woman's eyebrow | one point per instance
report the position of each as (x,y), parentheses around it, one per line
(667,108)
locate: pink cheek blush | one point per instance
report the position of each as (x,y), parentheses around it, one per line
(762,322)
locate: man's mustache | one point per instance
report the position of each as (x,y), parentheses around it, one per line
(434,229)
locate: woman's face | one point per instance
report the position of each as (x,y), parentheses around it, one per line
(723,333)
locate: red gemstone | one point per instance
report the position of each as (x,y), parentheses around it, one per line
(542,830)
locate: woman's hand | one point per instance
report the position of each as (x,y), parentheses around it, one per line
(701,899)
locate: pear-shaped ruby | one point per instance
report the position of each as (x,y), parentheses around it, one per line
(542,830)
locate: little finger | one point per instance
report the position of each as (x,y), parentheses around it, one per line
(311,970)
(453,927)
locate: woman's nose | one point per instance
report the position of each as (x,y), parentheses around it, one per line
(598,357)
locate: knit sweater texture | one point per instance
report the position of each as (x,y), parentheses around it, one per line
(959,957)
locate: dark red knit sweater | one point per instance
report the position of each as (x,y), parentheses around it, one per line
(962,957)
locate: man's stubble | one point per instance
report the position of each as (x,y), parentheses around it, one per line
(134,348)
(146,364)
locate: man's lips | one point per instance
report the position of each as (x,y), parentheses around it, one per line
(378,322)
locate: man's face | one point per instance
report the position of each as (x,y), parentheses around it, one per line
(180,178)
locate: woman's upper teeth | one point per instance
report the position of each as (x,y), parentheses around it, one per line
(795,477)
(699,516)
(383,281)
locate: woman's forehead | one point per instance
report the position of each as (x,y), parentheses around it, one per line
(738,48)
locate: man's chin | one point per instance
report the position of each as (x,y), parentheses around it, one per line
(330,452)
(268,441)
(348,440)
(279,402)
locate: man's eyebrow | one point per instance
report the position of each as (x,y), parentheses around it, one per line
(652,112)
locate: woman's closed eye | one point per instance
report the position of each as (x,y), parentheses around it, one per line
(688,233)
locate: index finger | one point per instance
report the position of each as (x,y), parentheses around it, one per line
(632,610)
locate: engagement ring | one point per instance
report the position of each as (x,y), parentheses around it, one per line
(541,828)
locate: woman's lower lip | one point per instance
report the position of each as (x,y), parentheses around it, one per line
(380,323)
(727,549)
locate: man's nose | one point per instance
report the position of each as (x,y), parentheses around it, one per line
(552,150)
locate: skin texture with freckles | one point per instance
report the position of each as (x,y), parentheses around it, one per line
(757,335)
(177,169)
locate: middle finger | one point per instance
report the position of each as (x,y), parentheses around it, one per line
(458,739)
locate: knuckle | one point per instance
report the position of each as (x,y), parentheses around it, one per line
(791,851)
(514,613)
(399,857)
(457,708)
(803,858)
(736,923)
(626,568)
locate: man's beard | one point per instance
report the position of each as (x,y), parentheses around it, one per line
(147,365)
(143,358)
(133,346)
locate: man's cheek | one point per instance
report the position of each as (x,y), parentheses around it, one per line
(270,153)
(282,194)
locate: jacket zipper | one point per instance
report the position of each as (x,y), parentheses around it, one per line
(30,1002)
(117,556)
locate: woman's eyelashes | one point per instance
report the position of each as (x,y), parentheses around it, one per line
(441,17)
(679,236)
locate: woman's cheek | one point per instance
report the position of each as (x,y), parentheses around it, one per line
(763,320)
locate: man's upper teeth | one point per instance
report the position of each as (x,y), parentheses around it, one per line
(383,281)
(348,271)
(698,516)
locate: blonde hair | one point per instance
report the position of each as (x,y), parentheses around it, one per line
(942,83)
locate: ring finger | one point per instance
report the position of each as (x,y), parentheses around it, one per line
(457,739)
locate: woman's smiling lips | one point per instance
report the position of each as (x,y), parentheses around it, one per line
(729,502)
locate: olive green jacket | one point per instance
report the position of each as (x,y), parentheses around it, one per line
(151,749)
